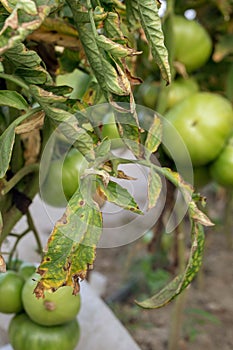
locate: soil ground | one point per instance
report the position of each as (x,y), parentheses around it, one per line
(207,316)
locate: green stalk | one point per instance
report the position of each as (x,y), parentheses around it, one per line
(8,185)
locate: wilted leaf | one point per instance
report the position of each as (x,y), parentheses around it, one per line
(2,261)
(21,57)
(28,62)
(122,175)
(60,90)
(32,123)
(128,128)
(24,18)
(154,135)
(115,49)
(151,23)
(154,188)
(71,246)
(118,195)
(198,216)
(12,99)
(45,96)
(178,284)
(32,146)
(32,76)
(115,78)
(112,26)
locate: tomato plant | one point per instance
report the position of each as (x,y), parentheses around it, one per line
(24,334)
(11,285)
(204,122)
(55,308)
(221,168)
(193,44)
(103,40)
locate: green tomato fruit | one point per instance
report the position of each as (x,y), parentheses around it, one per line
(192,43)
(24,334)
(179,90)
(26,270)
(11,285)
(55,308)
(222,168)
(62,179)
(204,121)
(148,93)
(110,130)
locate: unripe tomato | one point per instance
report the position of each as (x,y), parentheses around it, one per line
(63,178)
(11,285)
(148,93)
(54,309)
(24,334)
(26,270)
(179,90)
(110,130)
(222,168)
(204,122)
(192,43)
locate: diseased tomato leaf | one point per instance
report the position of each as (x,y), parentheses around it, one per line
(128,128)
(179,283)
(13,99)
(151,23)
(120,196)
(154,188)
(71,246)
(154,136)
(2,264)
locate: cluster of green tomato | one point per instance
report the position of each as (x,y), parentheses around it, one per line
(48,323)
(204,120)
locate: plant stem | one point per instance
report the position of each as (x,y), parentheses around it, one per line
(33,228)
(18,238)
(8,185)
